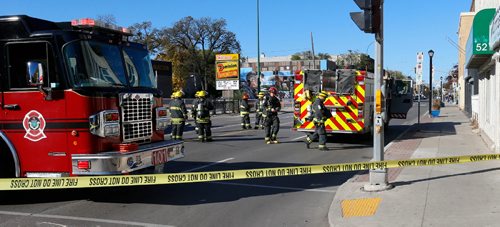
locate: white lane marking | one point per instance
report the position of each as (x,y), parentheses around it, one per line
(205,166)
(299,138)
(80,219)
(274,187)
(51,224)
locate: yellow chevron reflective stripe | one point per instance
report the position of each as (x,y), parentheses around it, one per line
(298,90)
(309,125)
(360,90)
(303,108)
(330,123)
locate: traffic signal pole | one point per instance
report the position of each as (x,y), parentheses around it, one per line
(378,177)
(371,20)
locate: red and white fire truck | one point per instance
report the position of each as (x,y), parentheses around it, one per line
(351,102)
(78,98)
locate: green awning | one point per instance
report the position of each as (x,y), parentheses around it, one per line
(478,48)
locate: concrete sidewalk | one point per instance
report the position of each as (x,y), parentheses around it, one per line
(448,195)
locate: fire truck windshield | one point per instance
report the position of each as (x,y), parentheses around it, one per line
(97,64)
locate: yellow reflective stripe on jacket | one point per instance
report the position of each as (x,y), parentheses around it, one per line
(177,120)
(175,108)
(318,120)
(244,113)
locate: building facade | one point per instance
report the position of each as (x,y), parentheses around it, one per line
(463,34)
(481,82)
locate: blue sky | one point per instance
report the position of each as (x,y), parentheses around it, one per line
(285,25)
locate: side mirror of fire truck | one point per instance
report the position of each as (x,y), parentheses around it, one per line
(36,76)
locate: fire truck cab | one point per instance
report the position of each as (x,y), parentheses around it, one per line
(78,98)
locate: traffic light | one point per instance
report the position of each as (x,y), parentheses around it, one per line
(369,20)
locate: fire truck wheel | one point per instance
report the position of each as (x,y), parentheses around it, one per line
(7,167)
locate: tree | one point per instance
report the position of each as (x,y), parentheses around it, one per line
(147,35)
(396,74)
(295,57)
(198,41)
(107,18)
(324,56)
(355,60)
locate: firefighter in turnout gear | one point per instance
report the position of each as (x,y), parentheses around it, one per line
(201,109)
(272,107)
(245,112)
(259,111)
(319,116)
(178,115)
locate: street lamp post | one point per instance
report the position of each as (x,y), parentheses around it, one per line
(431,54)
(258,50)
(441,87)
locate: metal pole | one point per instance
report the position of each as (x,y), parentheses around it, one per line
(430,85)
(418,113)
(441,88)
(378,177)
(258,50)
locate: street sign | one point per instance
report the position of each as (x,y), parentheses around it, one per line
(419,66)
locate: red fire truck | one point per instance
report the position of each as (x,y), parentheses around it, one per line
(351,102)
(78,98)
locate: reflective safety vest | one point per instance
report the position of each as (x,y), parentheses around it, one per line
(178,111)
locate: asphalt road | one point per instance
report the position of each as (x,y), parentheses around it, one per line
(282,201)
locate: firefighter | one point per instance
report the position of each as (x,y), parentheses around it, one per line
(178,114)
(259,111)
(202,108)
(272,107)
(319,114)
(245,112)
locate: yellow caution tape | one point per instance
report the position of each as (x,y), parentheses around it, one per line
(176,178)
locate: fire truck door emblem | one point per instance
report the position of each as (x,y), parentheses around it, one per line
(34,124)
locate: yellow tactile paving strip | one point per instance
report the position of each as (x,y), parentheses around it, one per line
(360,207)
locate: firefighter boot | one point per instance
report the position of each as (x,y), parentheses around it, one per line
(267,140)
(308,142)
(274,140)
(322,147)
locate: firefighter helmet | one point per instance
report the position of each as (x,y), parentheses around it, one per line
(202,94)
(261,94)
(273,90)
(177,94)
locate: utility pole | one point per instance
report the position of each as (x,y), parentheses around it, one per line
(312,45)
